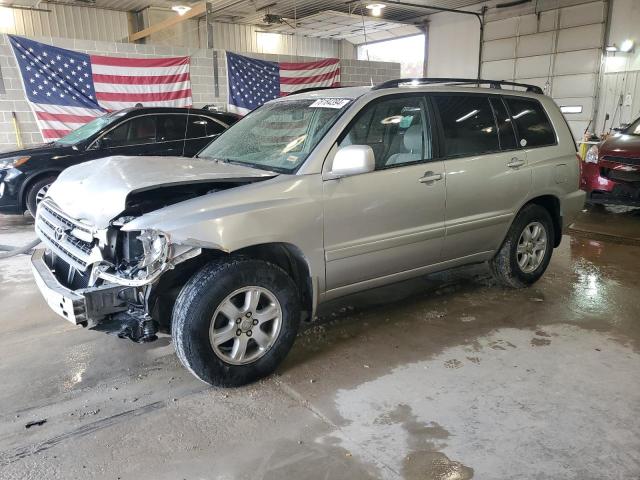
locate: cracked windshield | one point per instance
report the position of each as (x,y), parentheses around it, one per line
(278,136)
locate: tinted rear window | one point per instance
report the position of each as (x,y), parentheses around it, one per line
(505,126)
(468,125)
(532,125)
(171,127)
(202,127)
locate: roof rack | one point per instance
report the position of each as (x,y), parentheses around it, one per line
(456,81)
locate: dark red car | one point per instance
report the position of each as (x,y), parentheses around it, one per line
(611,170)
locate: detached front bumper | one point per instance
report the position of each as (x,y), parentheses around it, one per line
(87,306)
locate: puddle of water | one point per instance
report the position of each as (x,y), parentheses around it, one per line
(508,406)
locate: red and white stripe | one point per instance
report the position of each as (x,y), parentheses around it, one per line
(55,121)
(124,82)
(296,76)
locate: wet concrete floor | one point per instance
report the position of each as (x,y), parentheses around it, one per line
(446,377)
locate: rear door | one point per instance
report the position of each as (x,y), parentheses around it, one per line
(487,176)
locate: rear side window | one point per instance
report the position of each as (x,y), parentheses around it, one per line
(171,127)
(202,127)
(531,122)
(506,133)
(468,125)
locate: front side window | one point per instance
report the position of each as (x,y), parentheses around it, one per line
(468,125)
(532,124)
(278,136)
(394,129)
(137,131)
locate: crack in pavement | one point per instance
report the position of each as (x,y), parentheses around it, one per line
(302,401)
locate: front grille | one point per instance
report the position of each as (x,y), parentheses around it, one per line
(55,230)
(623,160)
(69,276)
(621,176)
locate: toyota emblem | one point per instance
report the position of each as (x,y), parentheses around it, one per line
(59,233)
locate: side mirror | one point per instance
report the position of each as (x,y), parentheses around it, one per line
(353,160)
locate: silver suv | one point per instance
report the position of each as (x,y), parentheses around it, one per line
(310,197)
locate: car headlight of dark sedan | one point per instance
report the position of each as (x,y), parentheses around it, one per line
(13,162)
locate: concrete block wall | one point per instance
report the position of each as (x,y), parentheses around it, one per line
(353,72)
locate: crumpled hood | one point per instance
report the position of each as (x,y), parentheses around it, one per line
(96,192)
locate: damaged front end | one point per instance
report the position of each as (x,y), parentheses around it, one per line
(103,279)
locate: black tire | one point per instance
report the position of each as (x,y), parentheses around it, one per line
(504,266)
(32,193)
(198,301)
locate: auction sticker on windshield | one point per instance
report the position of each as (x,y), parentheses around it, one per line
(330,103)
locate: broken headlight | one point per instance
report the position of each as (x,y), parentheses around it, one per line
(142,253)
(155,250)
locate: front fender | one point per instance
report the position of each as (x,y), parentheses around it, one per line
(285,209)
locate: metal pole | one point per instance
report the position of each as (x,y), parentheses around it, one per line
(211,45)
(481,19)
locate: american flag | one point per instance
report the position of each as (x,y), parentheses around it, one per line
(67,89)
(253,82)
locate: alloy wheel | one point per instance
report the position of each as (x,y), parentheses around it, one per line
(532,246)
(42,193)
(245,325)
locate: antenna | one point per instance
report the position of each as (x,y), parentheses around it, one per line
(186,126)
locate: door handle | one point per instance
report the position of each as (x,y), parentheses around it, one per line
(430,177)
(515,162)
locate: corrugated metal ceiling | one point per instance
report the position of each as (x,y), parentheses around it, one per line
(249,10)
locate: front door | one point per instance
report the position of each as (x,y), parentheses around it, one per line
(390,220)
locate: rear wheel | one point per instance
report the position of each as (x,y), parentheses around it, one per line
(36,193)
(235,320)
(526,252)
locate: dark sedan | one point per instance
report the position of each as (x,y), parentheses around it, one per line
(25,175)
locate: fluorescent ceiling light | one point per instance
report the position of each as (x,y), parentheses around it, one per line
(376,8)
(180,9)
(626,46)
(571,108)
(611,48)
(468,115)
(6,19)
(522,113)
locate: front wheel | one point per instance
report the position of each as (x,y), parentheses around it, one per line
(37,192)
(526,252)
(235,320)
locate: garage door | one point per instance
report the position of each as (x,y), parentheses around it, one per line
(557,49)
